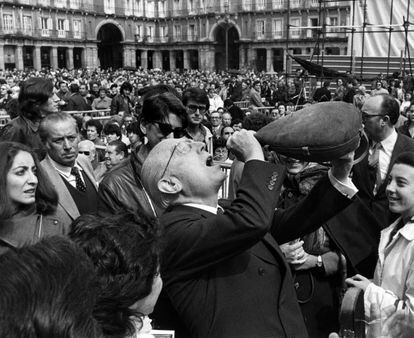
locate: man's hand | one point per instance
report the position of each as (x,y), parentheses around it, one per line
(245,146)
(358,281)
(341,168)
(294,253)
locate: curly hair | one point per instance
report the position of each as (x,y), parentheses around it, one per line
(45,198)
(125,251)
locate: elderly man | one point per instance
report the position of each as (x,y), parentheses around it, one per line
(71,175)
(224,274)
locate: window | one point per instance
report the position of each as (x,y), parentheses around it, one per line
(190,6)
(177,7)
(43,2)
(75,4)
(163,33)
(294,3)
(150,8)
(162,12)
(109,6)
(60,3)
(138,33)
(139,7)
(332,22)
(313,33)
(8,23)
(277,4)
(61,28)
(46,24)
(129,7)
(27,24)
(191,32)
(294,32)
(260,5)
(246,5)
(177,32)
(277,28)
(315,3)
(77,29)
(150,33)
(260,29)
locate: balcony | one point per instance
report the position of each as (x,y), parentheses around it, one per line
(45,32)
(61,34)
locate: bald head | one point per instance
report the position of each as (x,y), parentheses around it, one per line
(87,148)
(154,166)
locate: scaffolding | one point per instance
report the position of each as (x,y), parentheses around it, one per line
(405,26)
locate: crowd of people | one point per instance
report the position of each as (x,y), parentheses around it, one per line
(112,218)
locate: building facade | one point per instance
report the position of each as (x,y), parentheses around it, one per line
(168,34)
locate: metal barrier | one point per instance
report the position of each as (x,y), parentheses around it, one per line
(224,189)
(4,119)
(242,104)
(91,113)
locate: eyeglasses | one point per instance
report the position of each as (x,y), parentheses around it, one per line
(167,129)
(181,147)
(87,153)
(366,116)
(192,108)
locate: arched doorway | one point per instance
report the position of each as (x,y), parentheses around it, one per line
(226,47)
(109,46)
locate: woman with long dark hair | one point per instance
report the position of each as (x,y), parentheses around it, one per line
(27,200)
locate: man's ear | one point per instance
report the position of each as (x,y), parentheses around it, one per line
(170,185)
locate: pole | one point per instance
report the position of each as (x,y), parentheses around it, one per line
(323,35)
(352,37)
(287,39)
(227,46)
(389,37)
(363,37)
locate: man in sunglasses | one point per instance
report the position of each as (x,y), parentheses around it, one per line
(163,116)
(224,274)
(197,104)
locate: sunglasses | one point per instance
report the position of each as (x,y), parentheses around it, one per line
(87,153)
(192,108)
(167,129)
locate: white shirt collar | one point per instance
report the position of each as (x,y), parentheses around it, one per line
(213,210)
(65,171)
(389,142)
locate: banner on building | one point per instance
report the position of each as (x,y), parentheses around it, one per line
(377,16)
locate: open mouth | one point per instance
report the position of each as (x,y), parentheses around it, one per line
(209,161)
(30,191)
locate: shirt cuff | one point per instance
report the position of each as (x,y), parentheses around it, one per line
(346,188)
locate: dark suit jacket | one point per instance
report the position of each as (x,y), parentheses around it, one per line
(76,102)
(356,230)
(225,274)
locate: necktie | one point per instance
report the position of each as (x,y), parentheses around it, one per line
(79,183)
(374,168)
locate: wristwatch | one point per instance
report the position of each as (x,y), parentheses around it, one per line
(319,262)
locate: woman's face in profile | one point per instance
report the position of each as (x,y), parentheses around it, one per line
(50,106)
(21,180)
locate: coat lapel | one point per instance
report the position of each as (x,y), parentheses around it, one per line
(65,198)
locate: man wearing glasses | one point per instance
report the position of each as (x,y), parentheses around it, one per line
(224,274)
(197,104)
(163,116)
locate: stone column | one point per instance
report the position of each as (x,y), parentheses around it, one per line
(251,56)
(37,62)
(53,58)
(186,59)
(269,60)
(172,60)
(69,58)
(208,59)
(242,61)
(157,59)
(132,57)
(19,57)
(1,57)
(144,59)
